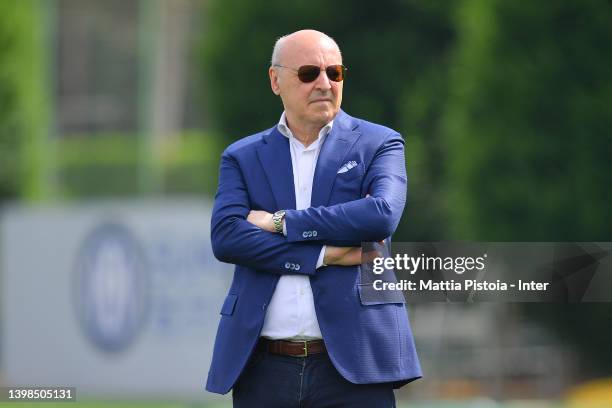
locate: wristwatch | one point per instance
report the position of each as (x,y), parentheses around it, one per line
(277,219)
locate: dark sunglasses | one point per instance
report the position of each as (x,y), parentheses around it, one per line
(308,73)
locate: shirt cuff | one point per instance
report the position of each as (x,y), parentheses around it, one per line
(284,228)
(321,258)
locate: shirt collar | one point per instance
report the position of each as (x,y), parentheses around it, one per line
(285,131)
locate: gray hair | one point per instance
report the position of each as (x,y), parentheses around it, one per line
(275,60)
(278,45)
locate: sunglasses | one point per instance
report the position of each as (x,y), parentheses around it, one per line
(308,73)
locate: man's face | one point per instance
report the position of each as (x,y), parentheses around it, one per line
(312,104)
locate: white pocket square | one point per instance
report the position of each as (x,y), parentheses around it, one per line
(347,166)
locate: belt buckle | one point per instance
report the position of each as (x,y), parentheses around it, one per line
(305,354)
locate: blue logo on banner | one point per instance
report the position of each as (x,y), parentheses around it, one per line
(111,287)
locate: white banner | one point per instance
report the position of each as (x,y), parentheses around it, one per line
(115,299)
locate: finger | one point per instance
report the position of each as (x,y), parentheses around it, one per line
(348,256)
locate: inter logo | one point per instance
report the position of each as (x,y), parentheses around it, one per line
(111,287)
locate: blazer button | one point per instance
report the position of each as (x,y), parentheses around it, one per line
(263,307)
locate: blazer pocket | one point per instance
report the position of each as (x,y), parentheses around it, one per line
(370,296)
(357,171)
(229,304)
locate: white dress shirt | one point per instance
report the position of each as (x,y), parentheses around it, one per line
(291,312)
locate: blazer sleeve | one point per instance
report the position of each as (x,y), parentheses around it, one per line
(237,241)
(369,219)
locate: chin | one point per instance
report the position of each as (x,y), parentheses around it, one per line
(321,117)
(324,119)
(326,115)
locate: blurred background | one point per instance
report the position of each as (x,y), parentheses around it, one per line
(113,116)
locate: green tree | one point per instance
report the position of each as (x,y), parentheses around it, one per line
(528,137)
(528,121)
(23,107)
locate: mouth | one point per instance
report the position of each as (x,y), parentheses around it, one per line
(321,100)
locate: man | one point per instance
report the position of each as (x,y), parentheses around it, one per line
(293,205)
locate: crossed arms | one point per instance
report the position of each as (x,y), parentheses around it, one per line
(243,237)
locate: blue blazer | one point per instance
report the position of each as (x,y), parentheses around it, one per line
(368,342)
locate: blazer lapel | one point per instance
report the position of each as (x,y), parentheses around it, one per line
(275,158)
(333,152)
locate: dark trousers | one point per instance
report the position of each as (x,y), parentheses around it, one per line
(278,381)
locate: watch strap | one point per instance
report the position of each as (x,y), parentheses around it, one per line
(277,219)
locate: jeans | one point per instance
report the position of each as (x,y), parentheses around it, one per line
(278,381)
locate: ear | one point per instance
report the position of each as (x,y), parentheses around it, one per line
(273,73)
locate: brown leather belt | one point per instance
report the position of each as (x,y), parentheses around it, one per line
(291,348)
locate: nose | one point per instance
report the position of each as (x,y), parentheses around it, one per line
(322,81)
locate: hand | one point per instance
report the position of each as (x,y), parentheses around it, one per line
(261,219)
(347,256)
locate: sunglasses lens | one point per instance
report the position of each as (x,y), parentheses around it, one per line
(308,73)
(335,72)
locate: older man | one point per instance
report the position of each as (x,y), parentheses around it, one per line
(293,205)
